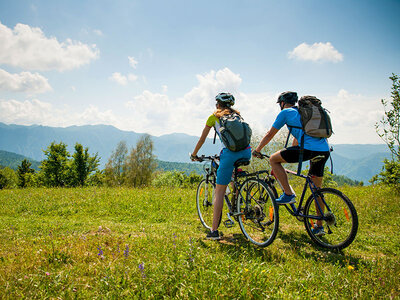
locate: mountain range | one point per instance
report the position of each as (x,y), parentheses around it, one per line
(356,161)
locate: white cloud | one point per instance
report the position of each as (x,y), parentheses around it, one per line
(27,47)
(132,77)
(122,79)
(34,111)
(317,52)
(98,32)
(119,78)
(23,82)
(132,62)
(164,88)
(353,116)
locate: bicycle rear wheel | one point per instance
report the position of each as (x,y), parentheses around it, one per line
(340,219)
(258,213)
(205,202)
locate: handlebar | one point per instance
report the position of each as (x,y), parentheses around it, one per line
(207,158)
(260,155)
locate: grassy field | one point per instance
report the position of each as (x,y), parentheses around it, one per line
(148,243)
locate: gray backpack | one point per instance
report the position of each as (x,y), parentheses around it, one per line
(314,118)
(315,122)
(235,133)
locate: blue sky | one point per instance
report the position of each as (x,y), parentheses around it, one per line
(155,66)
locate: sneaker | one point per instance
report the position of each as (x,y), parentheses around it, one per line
(318,230)
(213,235)
(286,199)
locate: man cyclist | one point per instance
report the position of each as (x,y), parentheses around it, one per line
(315,149)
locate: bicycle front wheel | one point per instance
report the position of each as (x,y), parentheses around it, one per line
(340,220)
(257,212)
(205,202)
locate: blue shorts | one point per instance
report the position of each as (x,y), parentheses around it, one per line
(226,162)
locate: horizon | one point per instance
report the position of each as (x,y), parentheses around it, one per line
(172,133)
(155,67)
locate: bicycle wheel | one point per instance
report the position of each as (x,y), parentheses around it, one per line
(205,203)
(340,219)
(258,212)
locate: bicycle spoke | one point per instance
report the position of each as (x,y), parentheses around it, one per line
(259,219)
(339,219)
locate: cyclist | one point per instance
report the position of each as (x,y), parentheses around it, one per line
(224,103)
(315,149)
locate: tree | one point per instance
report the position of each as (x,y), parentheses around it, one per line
(8,178)
(24,171)
(389,127)
(55,166)
(141,163)
(114,170)
(389,130)
(82,165)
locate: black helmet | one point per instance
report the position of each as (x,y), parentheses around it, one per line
(226,98)
(288,97)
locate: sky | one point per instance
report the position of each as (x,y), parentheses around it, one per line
(155,66)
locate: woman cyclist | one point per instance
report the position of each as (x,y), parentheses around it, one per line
(224,104)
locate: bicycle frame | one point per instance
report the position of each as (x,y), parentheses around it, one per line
(297,211)
(210,176)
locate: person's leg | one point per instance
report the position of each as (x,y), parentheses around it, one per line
(276,161)
(317,165)
(318,183)
(218,205)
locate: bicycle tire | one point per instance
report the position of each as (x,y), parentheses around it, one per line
(205,203)
(340,222)
(258,212)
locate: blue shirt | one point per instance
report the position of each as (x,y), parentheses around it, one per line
(291,117)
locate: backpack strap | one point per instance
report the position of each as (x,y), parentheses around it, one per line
(301,154)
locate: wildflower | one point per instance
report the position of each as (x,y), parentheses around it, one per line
(141,268)
(350,267)
(126,251)
(100,251)
(47,273)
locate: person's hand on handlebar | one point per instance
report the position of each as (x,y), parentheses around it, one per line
(194,157)
(257,154)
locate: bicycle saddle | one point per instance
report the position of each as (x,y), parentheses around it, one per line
(241,162)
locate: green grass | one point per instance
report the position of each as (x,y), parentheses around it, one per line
(148,243)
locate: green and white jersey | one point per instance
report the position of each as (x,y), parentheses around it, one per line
(213,121)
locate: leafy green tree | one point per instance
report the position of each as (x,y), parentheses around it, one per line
(389,126)
(141,163)
(82,165)
(8,178)
(389,130)
(114,170)
(55,166)
(24,171)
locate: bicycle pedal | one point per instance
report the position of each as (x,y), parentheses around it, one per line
(229,223)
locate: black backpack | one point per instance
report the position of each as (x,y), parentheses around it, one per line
(235,133)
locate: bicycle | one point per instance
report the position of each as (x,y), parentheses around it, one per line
(340,218)
(252,202)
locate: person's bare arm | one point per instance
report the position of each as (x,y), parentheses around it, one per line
(201,141)
(267,138)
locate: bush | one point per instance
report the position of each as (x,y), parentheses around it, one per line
(8,178)
(176,179)
(390,174)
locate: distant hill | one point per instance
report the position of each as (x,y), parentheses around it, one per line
(13,160)
(358,162)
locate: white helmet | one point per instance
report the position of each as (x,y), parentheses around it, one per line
(225,98)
